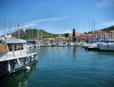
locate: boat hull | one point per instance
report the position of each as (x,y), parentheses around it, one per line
(12,66)
(106,48)
(92,49)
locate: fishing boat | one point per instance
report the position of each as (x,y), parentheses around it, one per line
(15,55)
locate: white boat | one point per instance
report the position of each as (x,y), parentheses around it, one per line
(71,44)
(85,45)
(45,44)
(78,43)
(93,46)
(90,46)
(15,54)
(62,44)
(53,44)
(106,47)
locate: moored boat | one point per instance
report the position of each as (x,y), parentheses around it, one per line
(106,47)
(71,44)
(62,44)
(15,54)
(93,46)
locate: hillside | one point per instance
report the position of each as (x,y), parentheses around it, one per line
(108,29)
(33,33)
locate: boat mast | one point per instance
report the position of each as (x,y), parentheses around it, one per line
(10,28)
(42,34)
(19,30)
(5,28)
(29,32)
(32,35)
(37,34)
(93,29)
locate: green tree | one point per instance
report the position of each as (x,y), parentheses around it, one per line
(74,35)
(66,35)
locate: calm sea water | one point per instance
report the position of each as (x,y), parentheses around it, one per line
(66,67)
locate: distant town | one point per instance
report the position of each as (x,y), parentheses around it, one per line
(43,36)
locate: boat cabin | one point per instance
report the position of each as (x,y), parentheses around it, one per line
(8,45)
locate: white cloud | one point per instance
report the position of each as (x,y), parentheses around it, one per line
(105,3)
(49,19)
(33,23)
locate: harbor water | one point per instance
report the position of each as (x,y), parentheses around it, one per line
(66,67)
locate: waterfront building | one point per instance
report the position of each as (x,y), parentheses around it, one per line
(96,35)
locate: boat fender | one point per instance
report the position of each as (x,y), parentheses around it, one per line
(28,68)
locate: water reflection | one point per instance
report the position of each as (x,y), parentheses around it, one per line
(105,53)
(74,52)
(19,79)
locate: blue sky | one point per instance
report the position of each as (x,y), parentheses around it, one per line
(56,16)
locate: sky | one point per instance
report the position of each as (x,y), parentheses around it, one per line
(56,16)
